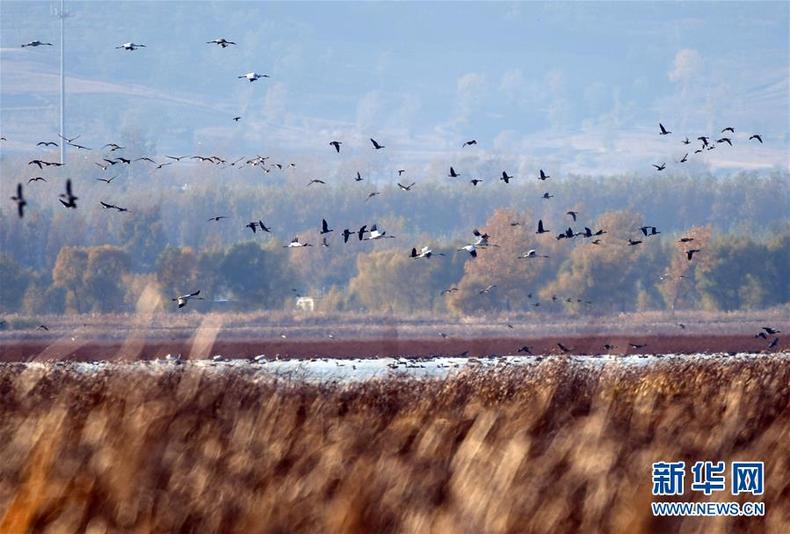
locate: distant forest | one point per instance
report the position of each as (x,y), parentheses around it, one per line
(99,260)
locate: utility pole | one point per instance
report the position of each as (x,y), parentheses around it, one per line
(62,15)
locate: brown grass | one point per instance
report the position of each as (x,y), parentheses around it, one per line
(553,448)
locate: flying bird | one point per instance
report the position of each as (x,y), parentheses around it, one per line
(425,252)
(406,187)
(221,42)
(469,143)
(113,147)
(346,234)
(475,181)
(686,141)
(41,163)
(728,129)
(547,196)
(183,299)
(130,46)
(543,175)
(217,218)
(660,167)
(19,198)
(35,44)
(252,76)
(541,230)
(572,214)
(663,131)
(108,206)
(649,230)
(358,178)
(325,227)
(453,174)
(690,253)
(725,140)
(371,195)
(374,233)
(486,289)
(336,144)
(563,348)
(106,180)
(37,179)
(772,331)
(46,143)
(295,243)
(632,242)
(704,140)
(758,137)
(505,178)
(237,118)
(685,158)
(71,200)
(471,249)
(316,181)
(531,253)
(376,145)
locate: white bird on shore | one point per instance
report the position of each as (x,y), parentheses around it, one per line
(252,76)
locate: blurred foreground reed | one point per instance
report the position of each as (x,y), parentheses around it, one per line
(556,447)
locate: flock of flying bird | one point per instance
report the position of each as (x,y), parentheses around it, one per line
(481,240)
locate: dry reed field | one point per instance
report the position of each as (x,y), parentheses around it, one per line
(553,447)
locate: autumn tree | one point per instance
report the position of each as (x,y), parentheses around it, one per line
(256,277)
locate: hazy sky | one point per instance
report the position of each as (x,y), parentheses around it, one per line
(577,87)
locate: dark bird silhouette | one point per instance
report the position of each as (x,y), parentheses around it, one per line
(41,163)
(358,178)
(325,227)
(19,198)
(316,181)
(252,226)
(71,200)
(406,187)
(130,46)
(704,140)
(376,145)
(728,129)
(108,206)
(37,179)
(660,167)
(725,140)
(106,180)
(469,143)
(46,143)
(547,196)
(686,141)
(505,178)
(217,218)
(761,335)
(449,290)
(773,343)
(371,195)
(336,144)
(758,137)
(685,239)
(145,158)
(541,230)
(79,147)
(543,175)
(662,130)
(401,171)
(263,227)
(124,160)
(361,231)
(772,331)
(525,349)
(237,118)
(35,44)
(573,214)
(113,147)
(324,242)
(564,349)
(699,150)
(346,234)
(690,253)
(637,346)
(453,174)
(177,158)
(685,158)
(475,181)
(221,42)
(632,243)
(43,327)
(649,230)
